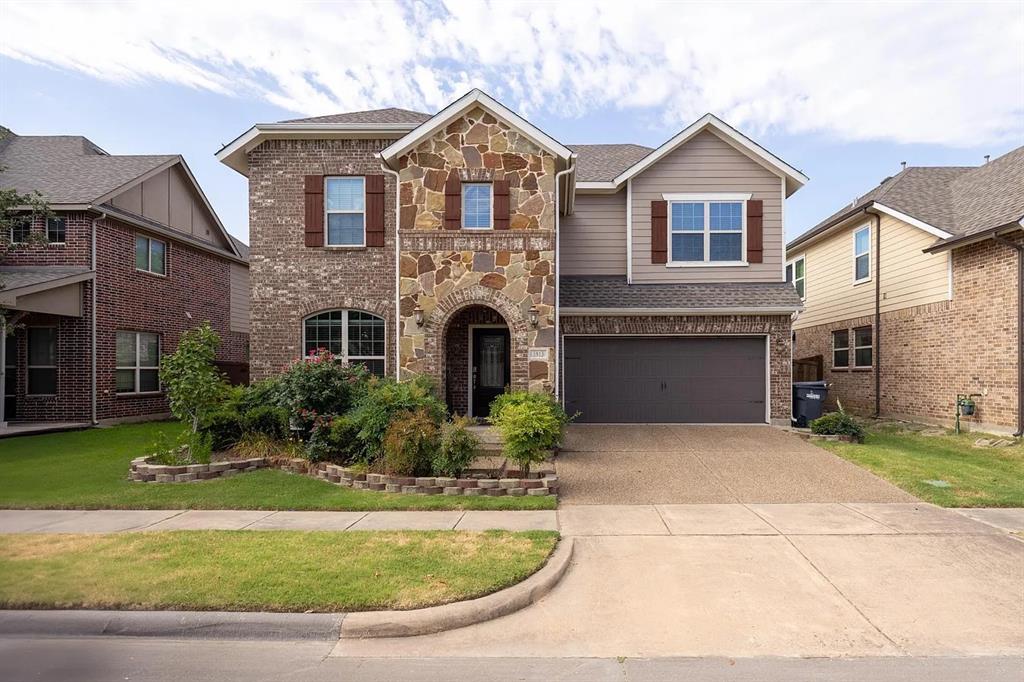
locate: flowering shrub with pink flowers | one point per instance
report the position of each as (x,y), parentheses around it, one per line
(319,387)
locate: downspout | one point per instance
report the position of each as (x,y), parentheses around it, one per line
(556,361)
(1020,331)
(101,216)
(876,356)
(398,269)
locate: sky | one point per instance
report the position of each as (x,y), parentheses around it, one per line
(842,91)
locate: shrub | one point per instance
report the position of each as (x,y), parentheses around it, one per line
(267,392)
(381,404)
(837,424)
(530,424)
(457,448)
(410,443)
(188,448)
(261,445)
(320,384)
(224,428)
(194,386)
(344,440)
(267,420)
(318,447)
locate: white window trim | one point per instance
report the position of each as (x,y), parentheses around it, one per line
(46,226)
(836,348)
(327,213)
(10,234)
(870,346)
(462,220)
(792,263)
(137,367)
(868,254)
(707,199)
(28,360)
(149,256)
(345,357)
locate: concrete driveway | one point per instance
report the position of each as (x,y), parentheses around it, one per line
(685,464)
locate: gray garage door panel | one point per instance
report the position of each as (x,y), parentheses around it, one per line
(667,380)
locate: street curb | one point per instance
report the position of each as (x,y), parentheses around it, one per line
(372,624)
(173,624)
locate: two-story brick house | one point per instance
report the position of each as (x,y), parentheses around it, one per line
(638,285)
(133,256)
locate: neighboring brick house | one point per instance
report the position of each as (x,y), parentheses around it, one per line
(469,246)
(133,257)
(915,289)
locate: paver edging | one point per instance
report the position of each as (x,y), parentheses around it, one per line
(437,485)
(372,624)
(143,470)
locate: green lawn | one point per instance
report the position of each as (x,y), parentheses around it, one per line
(263,571)
(977,477)
(89,470)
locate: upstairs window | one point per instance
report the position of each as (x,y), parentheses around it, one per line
(352,335)
(796,275)
(862,347)
(345,205)
(150,255)
(841,348)
(56,230)
(706,231)
(21,231)
(42,360)
(477,206)
(862,255)
(138,362)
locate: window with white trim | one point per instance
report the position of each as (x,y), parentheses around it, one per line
(862,254)
(42,361)
(841,348)
(21,231)
(138,362)
(796,274)
(150,255)
(56,230)
(354,336)
(706,231)
(345,208)
(862,347)
(477,205)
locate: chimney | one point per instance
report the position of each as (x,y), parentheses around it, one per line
(987,156)
(903,165)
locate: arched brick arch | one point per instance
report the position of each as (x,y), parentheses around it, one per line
(435,331)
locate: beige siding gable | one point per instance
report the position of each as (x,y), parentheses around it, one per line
(593,239)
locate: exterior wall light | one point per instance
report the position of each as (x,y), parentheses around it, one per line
(534,316)
(418,312)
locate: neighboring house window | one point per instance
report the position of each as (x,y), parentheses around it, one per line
(138,362)
(56,230)
(477,206)
(21,231)
(42,360)
(862,254)
(706,231)
(841,348)
(862,347)
(345,204)
(796,274)
(352,335)
(150,255)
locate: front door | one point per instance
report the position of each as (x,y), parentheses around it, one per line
(490,372)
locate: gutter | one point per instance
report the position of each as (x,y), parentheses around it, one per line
(625,312)
(398,265)
(1020,331)
(991,233)
(876,356)
(555,361)
(92,322)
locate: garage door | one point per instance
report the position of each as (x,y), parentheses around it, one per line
(666,380)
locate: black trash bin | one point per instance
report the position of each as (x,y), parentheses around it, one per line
(808,401)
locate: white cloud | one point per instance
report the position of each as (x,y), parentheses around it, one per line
(946,73)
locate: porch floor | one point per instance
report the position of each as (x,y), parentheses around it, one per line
(33,428)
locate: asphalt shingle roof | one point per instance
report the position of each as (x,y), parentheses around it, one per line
(603,162)
(614,292)
(19,276)
(242,247)
(68,169)
(389,115)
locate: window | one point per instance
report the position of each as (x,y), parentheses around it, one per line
(138,362)
(345,203)
(862,347)
(42,360)
(21,231)
(150,255)
(862,254)
(796,274)
(56,230)
(476,206)
(352,335)
(706,231)
(841,348)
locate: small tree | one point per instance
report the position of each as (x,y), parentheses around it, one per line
(193,383)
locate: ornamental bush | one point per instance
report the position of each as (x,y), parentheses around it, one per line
(321,385)
(263,393)
(837,424)
(456,450)
(382,403)
(223,427)
(530,424)
(267,420)
(410,443)
(194,386)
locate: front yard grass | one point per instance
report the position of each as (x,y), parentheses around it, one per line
(264,571)
(977,477)
(89,470)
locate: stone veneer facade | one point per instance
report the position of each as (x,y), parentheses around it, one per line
(930,353)
(444,271)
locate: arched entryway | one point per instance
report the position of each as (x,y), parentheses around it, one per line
(477,359)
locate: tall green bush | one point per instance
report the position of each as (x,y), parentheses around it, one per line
(267,420)
(457,448)
(530,424)
(194,385)
(383,402)
(321,385)
(410,443)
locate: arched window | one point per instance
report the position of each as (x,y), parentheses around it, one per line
(354,336)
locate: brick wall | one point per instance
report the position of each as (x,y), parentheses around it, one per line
(930,353)
(289,280)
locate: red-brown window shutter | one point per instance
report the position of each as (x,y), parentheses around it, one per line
(374,210)
(659,232)
(501,205)
(314,226)
(453,202)
(755,231)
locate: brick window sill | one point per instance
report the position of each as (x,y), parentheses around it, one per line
(861,369)
(147,394)
(840,369)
